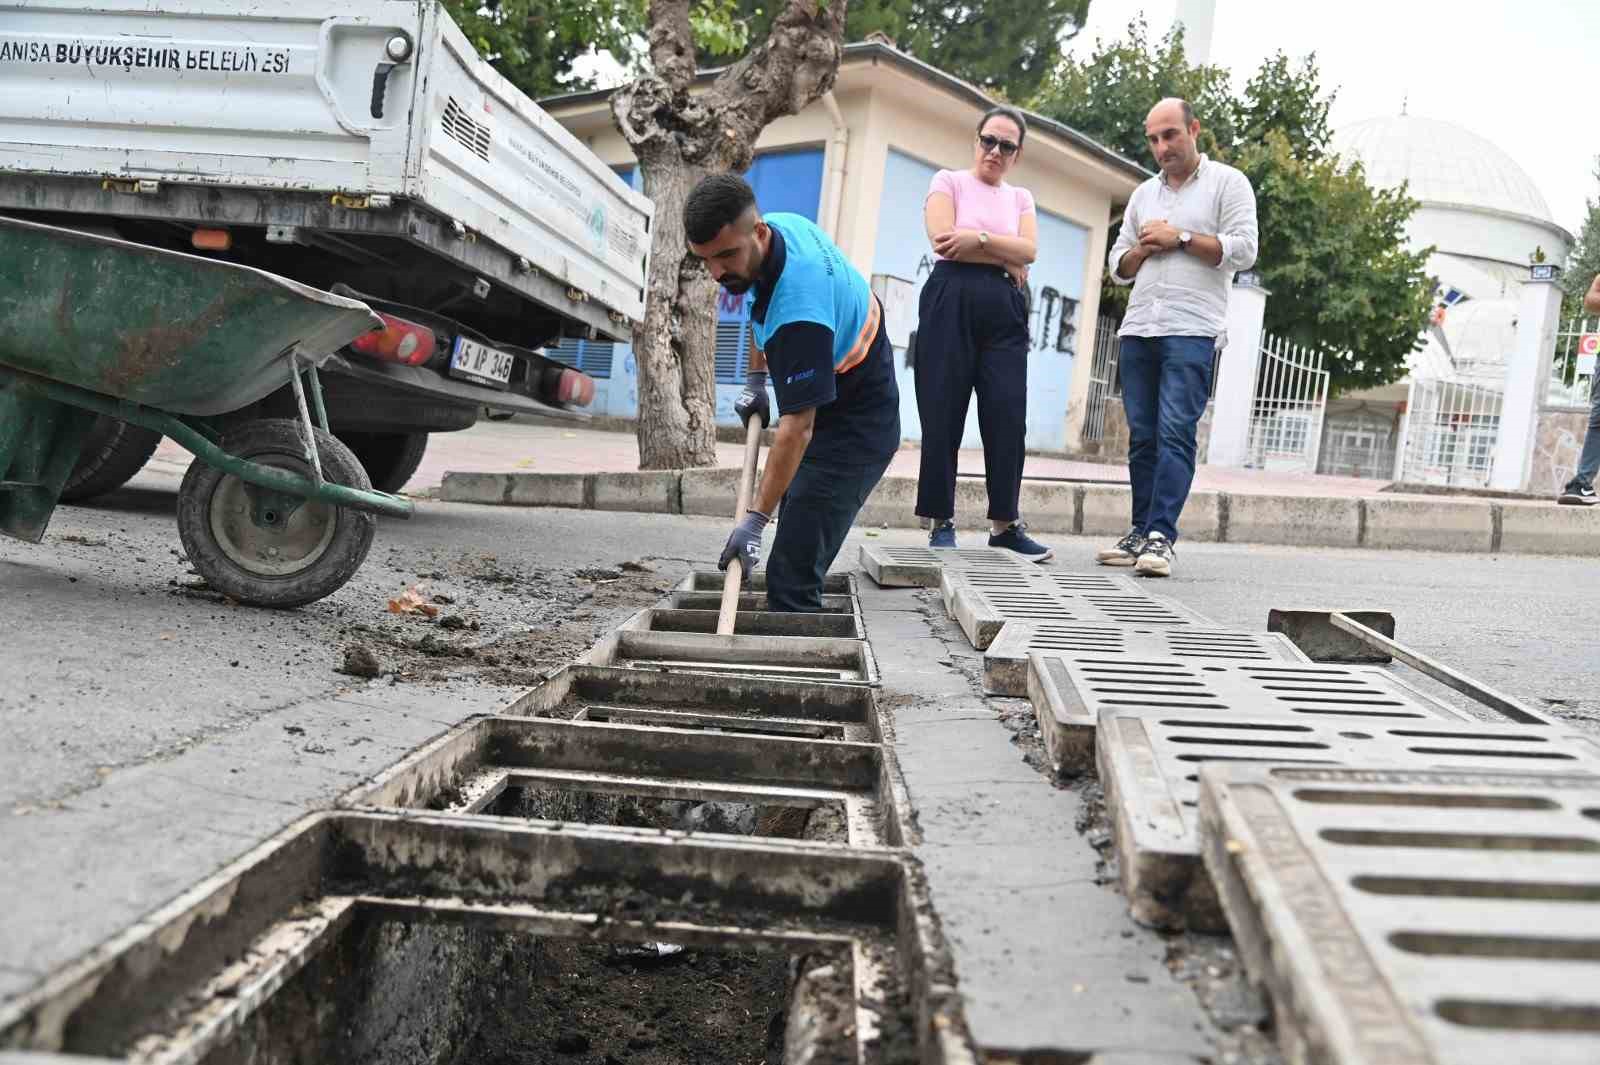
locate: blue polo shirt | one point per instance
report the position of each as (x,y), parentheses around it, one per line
(822,333)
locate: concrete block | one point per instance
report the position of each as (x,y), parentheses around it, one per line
(711,492)
(892,503)
(1050,507)
(1546,529)
(1301,521)
(546,489)
(1429,525)
(1107,510)
(474,487)
(649,492)
(1201,521)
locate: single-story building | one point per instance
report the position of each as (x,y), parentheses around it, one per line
(858,162)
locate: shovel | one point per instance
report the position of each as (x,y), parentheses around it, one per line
(747,488)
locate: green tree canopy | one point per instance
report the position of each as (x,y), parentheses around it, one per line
(1333,250)
(1584,262)
(534,42)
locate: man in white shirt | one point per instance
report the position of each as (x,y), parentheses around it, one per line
(1186,232)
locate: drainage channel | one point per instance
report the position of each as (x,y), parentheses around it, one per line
(682,848)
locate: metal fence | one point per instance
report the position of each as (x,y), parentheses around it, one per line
(1287,412)
(1572,371)
(1102,378)
(1449,433)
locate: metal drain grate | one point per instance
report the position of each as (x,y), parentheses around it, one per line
(919,567)
(1069,693)
(1149,763)
(1402,917)
(1005,665)
(983,611)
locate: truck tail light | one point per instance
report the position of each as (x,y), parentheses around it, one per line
(406,343)
(566,386)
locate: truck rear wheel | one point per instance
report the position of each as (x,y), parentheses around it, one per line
(112,454)
(389,458)
(263,548)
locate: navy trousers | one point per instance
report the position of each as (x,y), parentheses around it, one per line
(815,516)
(972,336)
(1166,382)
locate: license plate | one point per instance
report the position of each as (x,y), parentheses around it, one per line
(479,362)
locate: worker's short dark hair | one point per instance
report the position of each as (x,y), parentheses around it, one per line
(1002,111)
(716,201)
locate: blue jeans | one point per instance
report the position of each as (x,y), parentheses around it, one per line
(816,514)
(1166,382)
(1589,459)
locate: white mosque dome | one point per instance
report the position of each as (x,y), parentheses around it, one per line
(1478,208)
(1446,165)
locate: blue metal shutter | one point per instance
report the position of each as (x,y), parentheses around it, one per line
(593,357)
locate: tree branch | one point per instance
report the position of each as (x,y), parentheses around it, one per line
(796,64)
(672,42)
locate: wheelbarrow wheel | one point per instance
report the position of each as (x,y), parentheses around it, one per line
(266,551)
(113,452)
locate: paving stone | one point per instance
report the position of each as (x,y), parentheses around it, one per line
(1149,762)
(919,567)
(1414,917)
(1070,691)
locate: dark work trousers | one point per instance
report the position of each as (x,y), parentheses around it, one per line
(972,334)
(1166,382)
(816,514)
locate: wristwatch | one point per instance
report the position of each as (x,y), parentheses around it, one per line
(1183,240)
(983,238)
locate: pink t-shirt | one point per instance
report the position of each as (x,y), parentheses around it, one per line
(996,209)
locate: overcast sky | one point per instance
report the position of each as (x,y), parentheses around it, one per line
(1505,70)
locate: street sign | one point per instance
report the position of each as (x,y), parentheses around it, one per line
(1588,349)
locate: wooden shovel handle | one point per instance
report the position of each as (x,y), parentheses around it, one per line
(747,488)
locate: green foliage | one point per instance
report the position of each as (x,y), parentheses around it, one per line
(1584,262)
(534,42)
(1005,49)
(1333,250)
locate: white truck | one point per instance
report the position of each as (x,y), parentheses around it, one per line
(362,147)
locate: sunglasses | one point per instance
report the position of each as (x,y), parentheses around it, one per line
(989,143)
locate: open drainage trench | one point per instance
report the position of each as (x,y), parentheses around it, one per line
(683,848)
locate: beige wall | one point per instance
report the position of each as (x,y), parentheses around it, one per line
(884,108)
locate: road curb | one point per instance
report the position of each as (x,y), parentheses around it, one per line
(1376,522)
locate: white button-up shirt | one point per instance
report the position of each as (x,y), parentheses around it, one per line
(1176,293)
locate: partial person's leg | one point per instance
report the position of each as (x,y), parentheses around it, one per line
(943,375)
(1589,458)
(818,510)
(1002,386)
(1139,365)
(1186,368)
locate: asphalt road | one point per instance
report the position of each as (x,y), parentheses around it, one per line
(150,732)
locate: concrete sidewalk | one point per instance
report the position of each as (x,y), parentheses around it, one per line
(522,464)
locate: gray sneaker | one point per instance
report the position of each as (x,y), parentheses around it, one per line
(1155,559)
(1125,552)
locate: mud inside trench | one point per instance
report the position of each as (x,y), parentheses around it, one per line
(439,992)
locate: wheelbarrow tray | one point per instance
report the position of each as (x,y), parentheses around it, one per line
(181,333)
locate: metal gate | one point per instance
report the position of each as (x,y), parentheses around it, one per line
(1572,370)
(1449,433)
(1286,415)
(1102,379)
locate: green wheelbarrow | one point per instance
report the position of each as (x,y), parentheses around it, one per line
(276,512)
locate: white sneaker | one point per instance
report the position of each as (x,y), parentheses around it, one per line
(1155,558)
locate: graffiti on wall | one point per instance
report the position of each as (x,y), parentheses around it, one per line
(1052,317)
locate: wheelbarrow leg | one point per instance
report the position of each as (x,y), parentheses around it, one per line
(39,444)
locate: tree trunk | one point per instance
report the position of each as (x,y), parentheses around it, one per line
(679,136)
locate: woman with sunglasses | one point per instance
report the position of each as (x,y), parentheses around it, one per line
(972,332)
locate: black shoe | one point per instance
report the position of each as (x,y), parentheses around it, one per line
(943,535)
(1578,494)
(1015,538)
(1125,552)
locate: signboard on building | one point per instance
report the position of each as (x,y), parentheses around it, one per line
(1588,349)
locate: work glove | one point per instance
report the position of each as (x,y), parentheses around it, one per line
(744,543)
(753,400)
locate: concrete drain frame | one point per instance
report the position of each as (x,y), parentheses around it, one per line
(475,764)
(1414,917)
(183,982)
(1150,760)
(848,661)
(837,625)
(922,567)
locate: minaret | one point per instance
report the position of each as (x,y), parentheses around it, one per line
(1197,18)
